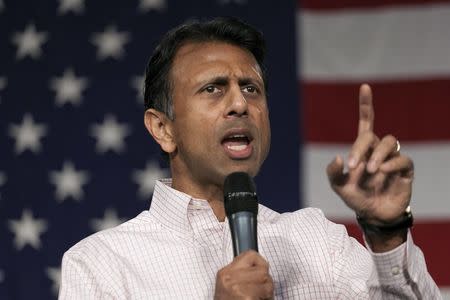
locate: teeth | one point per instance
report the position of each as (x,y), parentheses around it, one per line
(237,147)
(237,136)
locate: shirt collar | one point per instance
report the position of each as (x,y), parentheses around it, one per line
(169,207)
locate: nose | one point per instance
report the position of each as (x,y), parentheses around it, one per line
(237,104)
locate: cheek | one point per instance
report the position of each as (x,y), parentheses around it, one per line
(196,132)
(263,124)
(263,115)
(267,135)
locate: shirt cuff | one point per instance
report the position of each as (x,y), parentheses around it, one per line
(391,267)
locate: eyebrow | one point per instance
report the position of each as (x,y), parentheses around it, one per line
(224,80)
(219,80)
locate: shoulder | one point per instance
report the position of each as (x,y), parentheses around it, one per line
(114,240)
(304,214)
(93,267)
(312,222)
(309,223)
(309,217)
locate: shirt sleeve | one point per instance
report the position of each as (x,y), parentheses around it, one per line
(360,273)
(86,276)
(401,273)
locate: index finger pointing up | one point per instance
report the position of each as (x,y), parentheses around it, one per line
(366,113)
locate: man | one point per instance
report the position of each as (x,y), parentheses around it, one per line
(205,93)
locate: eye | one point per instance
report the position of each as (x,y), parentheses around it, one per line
(250,89)
(210,89)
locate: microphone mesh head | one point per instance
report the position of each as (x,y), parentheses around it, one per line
(239,193)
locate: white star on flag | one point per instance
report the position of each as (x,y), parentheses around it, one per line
(75,6)
(109,220)
(3,83)
(146,178)
(68,88)
(2,178)
(27,135)
(29,42)
(110,43)
(54,274)
(110,135)
(137,83)
(27,230)
(148,5)
(69,182)
(2,182)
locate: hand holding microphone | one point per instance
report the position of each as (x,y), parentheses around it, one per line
(247,276)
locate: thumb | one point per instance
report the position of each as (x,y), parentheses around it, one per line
(335,172)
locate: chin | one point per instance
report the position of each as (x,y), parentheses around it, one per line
(250,170)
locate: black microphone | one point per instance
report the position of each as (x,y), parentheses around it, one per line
(241,207)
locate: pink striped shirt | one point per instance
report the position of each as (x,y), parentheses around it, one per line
(174,250)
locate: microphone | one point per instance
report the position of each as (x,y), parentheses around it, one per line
(241,207)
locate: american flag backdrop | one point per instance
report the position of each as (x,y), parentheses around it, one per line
(402,48)
(75,157)
(74,154)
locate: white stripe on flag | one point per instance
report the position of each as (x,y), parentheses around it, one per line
(393,42)
(445,293)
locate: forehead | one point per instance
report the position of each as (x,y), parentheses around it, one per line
(203,59)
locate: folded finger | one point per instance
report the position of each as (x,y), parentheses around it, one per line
(257,291)
(361,148)
(250,258)
(387,147)
(401,163)
(374,182)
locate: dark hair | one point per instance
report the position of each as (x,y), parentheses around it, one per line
(158,86)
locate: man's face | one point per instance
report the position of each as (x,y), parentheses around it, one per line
(221,120)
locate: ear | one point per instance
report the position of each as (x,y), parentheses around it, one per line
(160,127)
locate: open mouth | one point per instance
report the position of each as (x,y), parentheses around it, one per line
(236,142)
(238,145)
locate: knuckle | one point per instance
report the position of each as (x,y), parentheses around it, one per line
(265,265)
(269,288)
(390,139)
(236,290)
(409,163)
(222,275)
(252,253)
(267,278)
(369,136)
(249,254)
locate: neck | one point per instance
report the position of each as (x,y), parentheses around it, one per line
(209,192)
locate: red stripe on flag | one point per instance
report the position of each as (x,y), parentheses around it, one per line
(433,239)
(414,110)
(324,5)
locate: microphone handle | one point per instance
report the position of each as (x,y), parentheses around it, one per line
(243,232)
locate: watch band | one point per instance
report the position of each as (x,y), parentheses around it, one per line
(406,221)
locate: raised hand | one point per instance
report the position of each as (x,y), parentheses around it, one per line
(377,185)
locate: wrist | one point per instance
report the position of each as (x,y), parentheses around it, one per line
(404,222)
(383,237)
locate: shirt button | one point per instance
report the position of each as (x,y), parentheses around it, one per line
(395,270)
